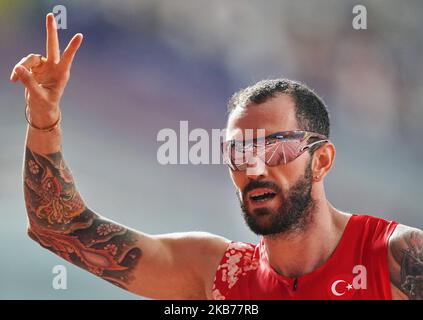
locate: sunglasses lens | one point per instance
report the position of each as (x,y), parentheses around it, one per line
(274,154)
(273,151)
(281,152)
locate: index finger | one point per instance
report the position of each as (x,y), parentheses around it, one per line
(52,43)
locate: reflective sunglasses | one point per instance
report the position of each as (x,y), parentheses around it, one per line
(275,149)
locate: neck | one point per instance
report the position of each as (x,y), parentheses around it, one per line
(302,251)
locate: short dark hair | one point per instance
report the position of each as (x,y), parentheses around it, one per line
(311,112)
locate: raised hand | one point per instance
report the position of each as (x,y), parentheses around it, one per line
(45,78)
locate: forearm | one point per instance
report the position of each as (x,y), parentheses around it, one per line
(60,220)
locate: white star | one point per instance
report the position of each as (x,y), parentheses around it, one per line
(349,287)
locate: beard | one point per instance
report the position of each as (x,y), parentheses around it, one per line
(294,214)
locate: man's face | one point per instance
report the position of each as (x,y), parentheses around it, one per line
(277,199)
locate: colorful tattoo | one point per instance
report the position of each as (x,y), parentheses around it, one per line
(60,221)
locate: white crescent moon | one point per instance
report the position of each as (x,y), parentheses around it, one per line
(333,288)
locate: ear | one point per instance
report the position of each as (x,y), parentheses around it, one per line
(322,162)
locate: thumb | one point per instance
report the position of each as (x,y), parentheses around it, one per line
(27,80)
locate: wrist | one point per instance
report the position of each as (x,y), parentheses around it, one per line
(43,121)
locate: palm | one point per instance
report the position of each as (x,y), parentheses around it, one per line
(46,74)
(51,79)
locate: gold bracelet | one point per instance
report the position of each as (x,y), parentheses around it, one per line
(48,129)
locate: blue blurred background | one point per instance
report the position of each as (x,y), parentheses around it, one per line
(146,65)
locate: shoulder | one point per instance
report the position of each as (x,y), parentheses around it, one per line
(405,259)
(371,232)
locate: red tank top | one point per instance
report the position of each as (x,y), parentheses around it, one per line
(357,269)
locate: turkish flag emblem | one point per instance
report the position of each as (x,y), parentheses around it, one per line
(341,287)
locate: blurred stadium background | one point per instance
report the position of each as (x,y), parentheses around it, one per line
(145,65)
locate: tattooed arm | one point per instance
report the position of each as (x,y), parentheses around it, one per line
(167,266)
(60,221)
(406,263)
(163,267)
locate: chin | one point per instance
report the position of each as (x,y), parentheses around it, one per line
(260,225)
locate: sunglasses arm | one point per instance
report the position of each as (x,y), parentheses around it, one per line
(314,143)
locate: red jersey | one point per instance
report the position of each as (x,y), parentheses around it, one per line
(357,269)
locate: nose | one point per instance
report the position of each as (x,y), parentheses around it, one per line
(256,168)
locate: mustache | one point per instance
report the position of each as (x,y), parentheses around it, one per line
(254,184)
